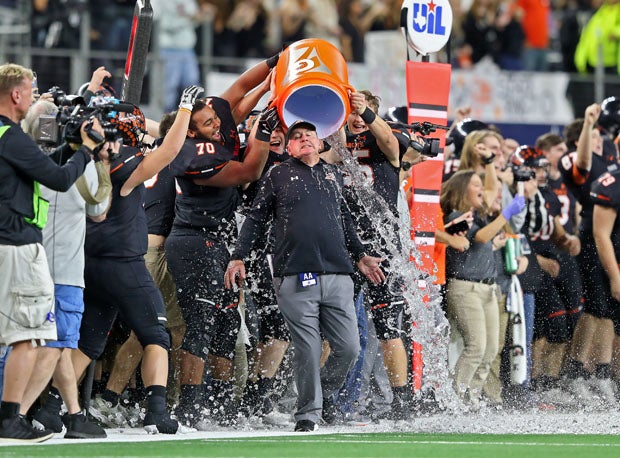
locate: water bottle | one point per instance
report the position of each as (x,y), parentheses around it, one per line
(510,254)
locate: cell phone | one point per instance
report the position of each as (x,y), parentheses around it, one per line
(525,245)
(455,228)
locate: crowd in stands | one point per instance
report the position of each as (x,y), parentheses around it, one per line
(538,35)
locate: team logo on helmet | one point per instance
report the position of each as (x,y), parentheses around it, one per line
(131,126)
(461,130)
(528,156)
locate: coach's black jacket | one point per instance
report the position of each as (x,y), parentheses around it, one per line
(312,224)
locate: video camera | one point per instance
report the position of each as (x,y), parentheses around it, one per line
(429,146)
(60,98)
(521,174)
(119,120)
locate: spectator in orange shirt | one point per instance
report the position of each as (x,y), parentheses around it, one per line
(535,24)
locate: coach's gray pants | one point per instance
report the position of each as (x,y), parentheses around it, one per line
(325,307)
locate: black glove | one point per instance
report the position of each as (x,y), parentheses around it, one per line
(273,60)
(267,123)
(189,96)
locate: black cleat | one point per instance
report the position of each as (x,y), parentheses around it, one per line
(80,427)
(17,429)
(331,414)
(160,423)
(47,419)
(397,412)
(305,426)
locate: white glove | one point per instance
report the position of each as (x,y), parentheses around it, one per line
(189,96)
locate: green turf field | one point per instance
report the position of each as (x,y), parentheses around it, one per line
(390,445)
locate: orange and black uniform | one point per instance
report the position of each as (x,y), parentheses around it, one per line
(117,280)
(558,303)
(567,201)
(384,305)
(568,282)
(579,181)
(606,193)
(271,324)
(197,247)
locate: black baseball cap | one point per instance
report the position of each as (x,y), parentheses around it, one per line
(298,124)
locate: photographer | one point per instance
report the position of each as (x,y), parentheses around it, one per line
(26,287)
(63,239)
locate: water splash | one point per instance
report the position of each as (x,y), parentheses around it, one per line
(431,328)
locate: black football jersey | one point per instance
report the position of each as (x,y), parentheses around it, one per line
(579,181)
(567,202)
(606,192)
(549,208)
(123,234)
(201,206)
(376,168)
(159,202)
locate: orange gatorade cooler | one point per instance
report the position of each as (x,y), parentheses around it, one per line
(312,83)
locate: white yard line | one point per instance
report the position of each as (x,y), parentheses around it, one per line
(415,441)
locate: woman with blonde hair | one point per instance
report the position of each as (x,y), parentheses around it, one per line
(481,150)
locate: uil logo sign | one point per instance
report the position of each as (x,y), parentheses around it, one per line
(428,24)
